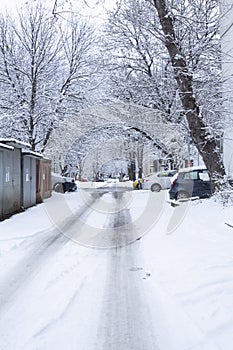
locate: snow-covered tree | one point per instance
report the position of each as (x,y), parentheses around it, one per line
(48,69)
(168,56)
(137,61)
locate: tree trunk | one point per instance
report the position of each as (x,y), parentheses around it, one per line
(204,142)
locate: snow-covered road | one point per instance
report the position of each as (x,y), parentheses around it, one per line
(79,285)
(115,269)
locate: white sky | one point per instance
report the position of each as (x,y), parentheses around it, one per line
(93,10)
(8,3)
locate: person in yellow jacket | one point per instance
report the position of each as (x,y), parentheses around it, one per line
(138,183)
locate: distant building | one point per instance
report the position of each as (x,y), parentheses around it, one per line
(227,69)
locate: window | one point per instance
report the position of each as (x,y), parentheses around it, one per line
(193,175)
(204,176)
(164,174)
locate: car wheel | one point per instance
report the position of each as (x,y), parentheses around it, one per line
(155,188)
(182,195)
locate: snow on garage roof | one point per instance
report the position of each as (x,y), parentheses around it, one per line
(15,143)
(27,152)
(2,145)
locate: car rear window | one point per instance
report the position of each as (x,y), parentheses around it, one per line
(161,174)
(196,175)
(192,175)
(166,174)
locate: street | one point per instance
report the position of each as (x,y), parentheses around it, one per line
(108,268)
(116,175)
(105,305)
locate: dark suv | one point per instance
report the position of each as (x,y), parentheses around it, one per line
(190,182)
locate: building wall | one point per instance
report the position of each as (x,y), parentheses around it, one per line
(227,69)
(1,183)
(18,177)
(43,179)
(10,183)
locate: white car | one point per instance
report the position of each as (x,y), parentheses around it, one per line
(125,178)
(159,181)
(113,180)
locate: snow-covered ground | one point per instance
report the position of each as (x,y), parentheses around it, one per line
(99,270)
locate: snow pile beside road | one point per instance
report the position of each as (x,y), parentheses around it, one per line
(192,269)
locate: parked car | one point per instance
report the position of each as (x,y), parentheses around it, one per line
(125,178)
(83,179)
(113,180)
(159,181)
(191,182)
(62,183)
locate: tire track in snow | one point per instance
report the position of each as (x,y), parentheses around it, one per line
(125,321)
(39,251)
